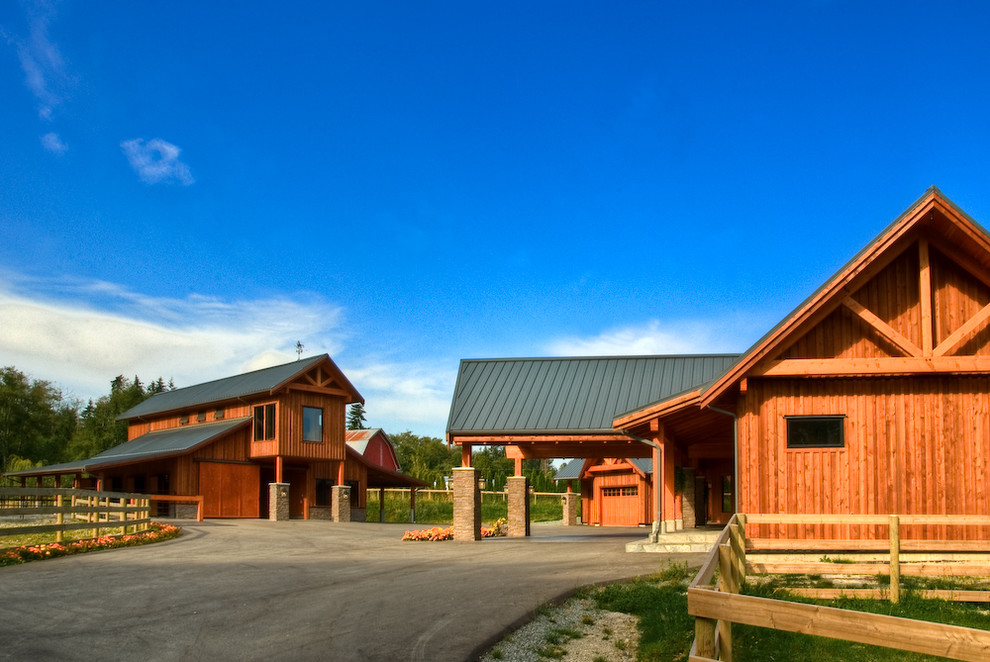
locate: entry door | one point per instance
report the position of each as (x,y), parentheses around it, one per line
(296,478)
(229,490)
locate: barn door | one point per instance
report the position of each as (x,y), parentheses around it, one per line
(229,490)
(621,506)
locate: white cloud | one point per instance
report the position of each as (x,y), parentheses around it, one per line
(156,161)
(655,337)
(79,335)
(401,395)
(40,58)
(53,143)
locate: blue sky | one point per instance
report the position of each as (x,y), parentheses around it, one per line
(187,188)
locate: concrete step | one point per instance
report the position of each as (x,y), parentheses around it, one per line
(677,542)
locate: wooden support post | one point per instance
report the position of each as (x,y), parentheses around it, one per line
(465,455)
(895,559)
(518,467)
(726,584)
(59,519)
(340,473)
(704,637)
(381,504)
(278,469)
(412,505)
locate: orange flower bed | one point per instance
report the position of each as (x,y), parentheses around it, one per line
(25,553)
(498,528)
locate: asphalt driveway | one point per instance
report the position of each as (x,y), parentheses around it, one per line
(301,590)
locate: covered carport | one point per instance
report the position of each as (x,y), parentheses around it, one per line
(568,408)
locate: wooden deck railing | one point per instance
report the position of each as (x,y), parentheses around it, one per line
(73,510)
(715,608)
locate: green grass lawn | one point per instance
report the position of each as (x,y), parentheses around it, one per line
(439,508)
(666,629)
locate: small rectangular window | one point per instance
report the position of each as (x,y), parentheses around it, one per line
(312,424)
(201,417)
(264,422)
(218,415)
(183,420)
(727,500)
(815,431)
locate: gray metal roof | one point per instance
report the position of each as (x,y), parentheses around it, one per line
(174,441)
(566,395)
(220,390)
(572,470)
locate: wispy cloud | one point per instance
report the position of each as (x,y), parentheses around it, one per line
(41,60)
(156,161)
(81,334)
(727,335)
(53,143)
(400,395)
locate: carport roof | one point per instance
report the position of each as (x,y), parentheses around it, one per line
(569,395)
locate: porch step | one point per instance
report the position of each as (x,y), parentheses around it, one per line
(694,540)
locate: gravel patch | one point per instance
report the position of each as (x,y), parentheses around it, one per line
(575,631)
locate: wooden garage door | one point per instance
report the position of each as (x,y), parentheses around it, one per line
(229,490)
(621,506)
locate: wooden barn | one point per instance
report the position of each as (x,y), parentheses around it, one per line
(871,397)
(372,463)
(228,441)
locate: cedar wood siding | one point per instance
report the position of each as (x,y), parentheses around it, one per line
(914,444)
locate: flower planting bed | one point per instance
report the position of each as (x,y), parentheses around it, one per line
(157,533)
(498,528)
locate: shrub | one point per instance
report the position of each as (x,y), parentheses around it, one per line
(157,533)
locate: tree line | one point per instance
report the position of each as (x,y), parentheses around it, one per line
(40,426)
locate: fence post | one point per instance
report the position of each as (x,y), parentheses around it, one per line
(727,584)
(895,559)
(59,518)
(704,637)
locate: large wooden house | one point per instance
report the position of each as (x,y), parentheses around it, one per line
(228,440)
(871,397)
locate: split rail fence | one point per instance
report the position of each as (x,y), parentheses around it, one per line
(717,606)
(73,510)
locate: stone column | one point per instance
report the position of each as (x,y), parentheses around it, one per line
(278,501)
(467,504)
(517,488)
(570,509)
(340,503)
(687,499)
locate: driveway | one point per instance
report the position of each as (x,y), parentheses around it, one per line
(301,590)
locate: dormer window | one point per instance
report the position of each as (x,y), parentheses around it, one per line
(264,422)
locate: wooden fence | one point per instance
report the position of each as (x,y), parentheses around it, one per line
(73,510)
(716,608)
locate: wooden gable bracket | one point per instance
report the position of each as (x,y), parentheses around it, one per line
(959,337)
(888,332)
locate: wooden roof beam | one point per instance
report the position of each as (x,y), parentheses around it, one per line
(875,366)
(888,332)
(959,337)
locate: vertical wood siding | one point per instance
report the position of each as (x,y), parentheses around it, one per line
(912,445)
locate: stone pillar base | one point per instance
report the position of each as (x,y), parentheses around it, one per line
(467,504)
(570,509)
(278,501)
(517,488)
(340,503)
(687,499)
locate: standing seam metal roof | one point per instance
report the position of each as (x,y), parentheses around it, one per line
(574,394)
(220,390)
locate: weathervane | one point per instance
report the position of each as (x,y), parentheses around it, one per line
(299,349)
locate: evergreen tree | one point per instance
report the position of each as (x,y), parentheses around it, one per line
(355,417)
(35,421)
(99,428)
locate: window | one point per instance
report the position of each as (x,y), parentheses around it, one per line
(815,431)
(312,424)
(620,491)
(184,420)
(218,415)
(264,422)
(727,501)
(201,417)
